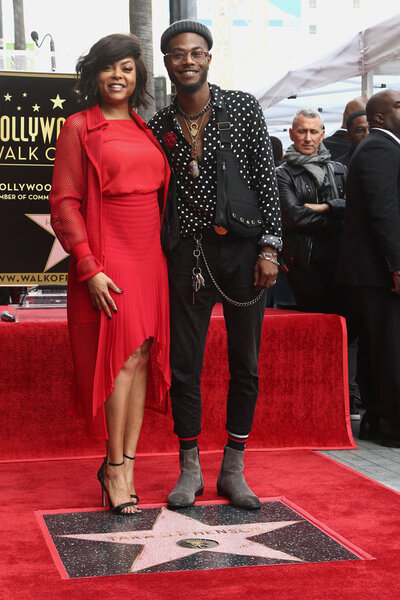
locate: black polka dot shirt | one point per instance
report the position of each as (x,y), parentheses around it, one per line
(197,197)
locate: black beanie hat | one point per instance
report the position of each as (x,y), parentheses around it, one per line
(182,27)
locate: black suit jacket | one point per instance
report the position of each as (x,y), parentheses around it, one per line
(370,248)
(337,143)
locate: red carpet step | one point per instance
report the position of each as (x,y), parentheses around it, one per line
(303,400)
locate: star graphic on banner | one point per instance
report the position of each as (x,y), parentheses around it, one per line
(57,102)
(7,97)
(57,252)
(19,108)
(24,94)
(36,107)
(174,536)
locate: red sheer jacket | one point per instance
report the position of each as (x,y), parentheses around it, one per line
(76,203)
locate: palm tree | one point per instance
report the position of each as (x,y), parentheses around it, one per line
(19,34)
(140,23)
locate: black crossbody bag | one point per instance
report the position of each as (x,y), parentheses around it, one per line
(237,208)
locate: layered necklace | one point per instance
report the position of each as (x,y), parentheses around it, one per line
(194,124)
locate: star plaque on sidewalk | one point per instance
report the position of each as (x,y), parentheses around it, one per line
(207,536)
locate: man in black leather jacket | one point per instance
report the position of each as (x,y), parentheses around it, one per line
(312,196)
(311,191)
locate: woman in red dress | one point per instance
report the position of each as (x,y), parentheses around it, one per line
(107,202)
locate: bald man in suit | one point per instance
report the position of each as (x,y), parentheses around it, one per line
(338,143)
(369,261)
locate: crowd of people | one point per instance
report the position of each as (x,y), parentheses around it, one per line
(164,219)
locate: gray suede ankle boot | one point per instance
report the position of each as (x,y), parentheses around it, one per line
(231,482)
(190,482)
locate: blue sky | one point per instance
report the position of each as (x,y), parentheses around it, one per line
(292,7)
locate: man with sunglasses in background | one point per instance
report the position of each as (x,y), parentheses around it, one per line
(206,257)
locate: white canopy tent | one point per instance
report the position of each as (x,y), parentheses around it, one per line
(361,55)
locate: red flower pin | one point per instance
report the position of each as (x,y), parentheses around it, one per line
(170,139)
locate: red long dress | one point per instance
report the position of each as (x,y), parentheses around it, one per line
(108,218)
(133,172)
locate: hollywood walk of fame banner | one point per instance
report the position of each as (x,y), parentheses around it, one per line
(33,108)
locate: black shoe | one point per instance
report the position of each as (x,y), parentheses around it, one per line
(390,436)
(369,428)
(134,496)
(118,510)
(354,412)
(390,442)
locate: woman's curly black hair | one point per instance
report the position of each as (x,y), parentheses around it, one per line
(107,50)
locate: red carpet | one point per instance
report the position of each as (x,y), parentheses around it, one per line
(366,514)
(302,404)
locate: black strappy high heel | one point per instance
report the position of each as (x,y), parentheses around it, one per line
(136,498)
(115,509)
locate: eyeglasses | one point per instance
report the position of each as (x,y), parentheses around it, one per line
(179,56)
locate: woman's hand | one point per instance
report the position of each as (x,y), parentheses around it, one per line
(99,286)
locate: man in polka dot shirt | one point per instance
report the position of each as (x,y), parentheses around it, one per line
(207,259)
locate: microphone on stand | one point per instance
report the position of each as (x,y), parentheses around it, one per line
(53,55)
(35,37)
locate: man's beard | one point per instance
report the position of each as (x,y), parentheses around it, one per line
(192,87)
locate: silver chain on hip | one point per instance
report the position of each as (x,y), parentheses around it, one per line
(236,303)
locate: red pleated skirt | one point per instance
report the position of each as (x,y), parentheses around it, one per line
(134,260)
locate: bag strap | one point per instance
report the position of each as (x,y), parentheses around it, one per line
(224,126)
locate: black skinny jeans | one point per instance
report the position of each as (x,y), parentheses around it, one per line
(231,261)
